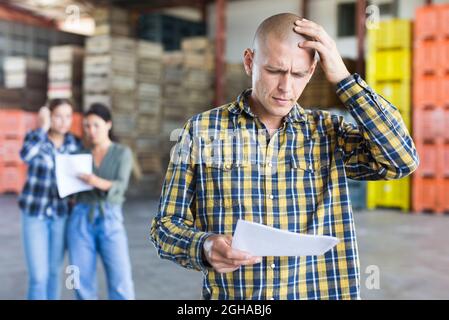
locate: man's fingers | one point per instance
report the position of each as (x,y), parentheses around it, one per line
(233,254)
(313,30)
(223,258)
(248,262)
(322,50)
(235,264)
(315,34)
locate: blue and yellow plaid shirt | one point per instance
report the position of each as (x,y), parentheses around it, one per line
(225,167)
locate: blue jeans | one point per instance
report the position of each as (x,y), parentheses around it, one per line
(106,235)
(44,245)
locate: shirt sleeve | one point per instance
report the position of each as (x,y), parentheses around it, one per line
(120,183)
(34,140)
(379,146)
(173,231)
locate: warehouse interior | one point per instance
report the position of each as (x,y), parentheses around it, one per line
(156,63)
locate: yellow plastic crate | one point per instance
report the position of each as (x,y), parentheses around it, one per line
(397,92)
(389,65)
(407,120)
(391,34)
(389,194)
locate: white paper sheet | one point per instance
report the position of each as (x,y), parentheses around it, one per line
(261,240)
(68,167)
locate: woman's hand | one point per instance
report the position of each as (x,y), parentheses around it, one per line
(90,179)
(44,118)
(95,181)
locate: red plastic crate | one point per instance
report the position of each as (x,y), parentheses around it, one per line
(426,23)
(430,182)
(77,124)
(425,194)
(444,54)
(446,125)
(10,149)
(443,195)
(444,19)
(444,96)
(428,124)
(426,91)
(426,56)
(12,178)
(31,120)
(428,166)
(15,123)
(445,161)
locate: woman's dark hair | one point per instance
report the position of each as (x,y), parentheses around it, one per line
(54,103)
(100,110)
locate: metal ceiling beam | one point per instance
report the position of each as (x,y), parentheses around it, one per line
(220,48)
(149,6)
(360,20)
(304,8)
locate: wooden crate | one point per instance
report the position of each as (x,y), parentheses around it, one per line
(66,54)
(23,64)
(105,64)
(150,162)
(148,125)
(27,79)
(149,50)
(196,44)
(105,44)
(197,79)
(124,124)
(62,71)
(116,29)
(148,91)
(110,14)
(149,106)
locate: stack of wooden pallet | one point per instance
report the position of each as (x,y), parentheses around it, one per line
(110,20)
(110,78)
(148,103)
(65,73)
(173,107)
(25,82)
(198,65)
(236,81)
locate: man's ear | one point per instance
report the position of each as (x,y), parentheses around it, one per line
(312,69)
(248,58)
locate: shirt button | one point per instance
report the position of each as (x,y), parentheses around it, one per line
(271,197)
(272,298)
(273,266)
(310,167)
(270,164)
(227,166)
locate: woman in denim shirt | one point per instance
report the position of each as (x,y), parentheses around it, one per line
(44,213)
(96,223)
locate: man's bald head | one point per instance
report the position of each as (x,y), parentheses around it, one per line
(281,27)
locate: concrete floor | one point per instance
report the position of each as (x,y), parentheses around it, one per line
(411,253)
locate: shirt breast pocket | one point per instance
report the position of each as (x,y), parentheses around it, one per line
(222,182)
(225,183)
(310,166)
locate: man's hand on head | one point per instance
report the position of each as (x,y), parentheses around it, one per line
(220,255)
(331,61)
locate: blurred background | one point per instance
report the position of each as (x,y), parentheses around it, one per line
(156,63)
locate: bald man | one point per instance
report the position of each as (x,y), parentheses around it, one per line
(263,158)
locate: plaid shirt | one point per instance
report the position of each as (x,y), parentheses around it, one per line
(225,168)
(40,196)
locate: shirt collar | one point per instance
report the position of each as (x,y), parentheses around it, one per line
(296,114)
